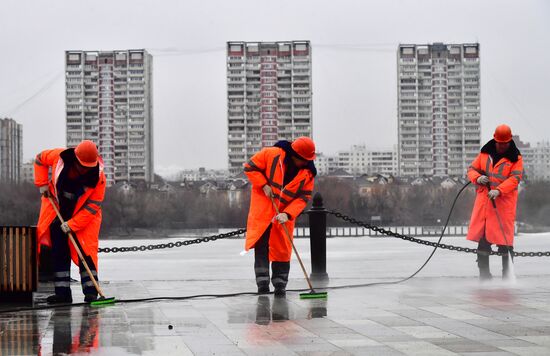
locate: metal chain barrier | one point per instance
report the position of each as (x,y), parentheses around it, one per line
(424,242)
(171,244)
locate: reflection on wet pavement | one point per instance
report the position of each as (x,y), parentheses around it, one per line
(441,314)
(274,309)
(425,316)
(196,327)
(86,330)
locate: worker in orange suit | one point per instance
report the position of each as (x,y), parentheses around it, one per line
(283,173)
(496,171)
(77,186)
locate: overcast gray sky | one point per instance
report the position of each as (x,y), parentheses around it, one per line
(354,46)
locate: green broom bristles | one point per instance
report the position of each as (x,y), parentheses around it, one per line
(103,301)
(314,295)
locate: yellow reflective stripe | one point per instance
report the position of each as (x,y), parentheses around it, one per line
(516,172)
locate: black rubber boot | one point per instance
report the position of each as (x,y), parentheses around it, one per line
(88,298)
(483,265)
(483,252)
(261,262)
(263,289)
(58,299)
(280,277)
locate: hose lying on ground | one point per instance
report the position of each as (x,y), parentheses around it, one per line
(229,295)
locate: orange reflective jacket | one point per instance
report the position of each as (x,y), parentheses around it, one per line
(267,167)
(505,176)
(86,219)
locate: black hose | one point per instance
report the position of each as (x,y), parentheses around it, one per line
(425,262)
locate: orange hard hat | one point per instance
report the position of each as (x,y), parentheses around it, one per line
(503,133)
(86,153)
(304,147)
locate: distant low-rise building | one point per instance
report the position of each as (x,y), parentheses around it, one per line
(358,160)
(536,161)
(201,174)
(27,171)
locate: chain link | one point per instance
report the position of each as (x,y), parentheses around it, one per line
(424,242)
(332,212)
(171,244)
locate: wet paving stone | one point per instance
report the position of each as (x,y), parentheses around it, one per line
(434,314)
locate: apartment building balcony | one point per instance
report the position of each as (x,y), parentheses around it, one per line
(299,64)
(471,109)
(298,116)
(235,94)
(301,80)
(408,75)
(301,59)
(74,91)
(236,110)
(235,140)
(236,132)
(469,73)
(234,122)
(306,95)
(252,66)
(238,75)
(472,104)
(129,73)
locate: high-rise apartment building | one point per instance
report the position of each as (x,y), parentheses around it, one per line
(438,109)
(11,150)
(109,100)
(268,96)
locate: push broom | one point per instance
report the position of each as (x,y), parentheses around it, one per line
(312,293)
(102,299)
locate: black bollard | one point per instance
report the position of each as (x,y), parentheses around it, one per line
(318,240)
